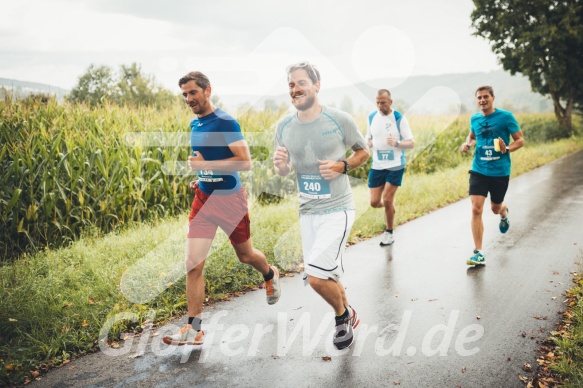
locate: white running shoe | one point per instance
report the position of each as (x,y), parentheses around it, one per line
(387,239)
(185,336)
(273,288)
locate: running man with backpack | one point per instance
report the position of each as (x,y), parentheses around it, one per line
(388,136)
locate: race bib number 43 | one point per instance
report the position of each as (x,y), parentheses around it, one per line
(313,186)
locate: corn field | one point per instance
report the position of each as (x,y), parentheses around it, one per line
(65,168)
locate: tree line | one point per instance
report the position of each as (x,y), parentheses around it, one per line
(543,40)
(128,87)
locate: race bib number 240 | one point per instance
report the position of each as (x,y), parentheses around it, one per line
(313,186)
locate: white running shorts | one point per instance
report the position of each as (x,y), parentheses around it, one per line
(324,238)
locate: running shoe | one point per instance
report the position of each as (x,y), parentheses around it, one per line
(273,288)
(344,335)
(504,223)
(387,239)
(185,336)
(477,258)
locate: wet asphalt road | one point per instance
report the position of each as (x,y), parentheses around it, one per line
(427,319)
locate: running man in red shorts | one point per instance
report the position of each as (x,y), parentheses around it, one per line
(219,152)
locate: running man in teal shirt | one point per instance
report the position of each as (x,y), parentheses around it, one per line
(491,166)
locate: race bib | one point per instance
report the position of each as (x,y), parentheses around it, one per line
(488,153)
(313,186)
(207,176)
(385,154)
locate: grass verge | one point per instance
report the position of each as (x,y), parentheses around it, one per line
(561,356)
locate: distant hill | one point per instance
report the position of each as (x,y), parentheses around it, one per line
(424,94)
(22,88)
(448,93)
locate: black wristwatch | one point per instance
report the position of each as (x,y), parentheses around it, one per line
(346,166)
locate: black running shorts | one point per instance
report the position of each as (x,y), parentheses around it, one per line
(495,185)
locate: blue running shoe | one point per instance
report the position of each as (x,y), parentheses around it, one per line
(477,259)
(504,223)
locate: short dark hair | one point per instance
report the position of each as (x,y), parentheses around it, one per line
(489,89)
(201,80)
(381,91)
(310,70)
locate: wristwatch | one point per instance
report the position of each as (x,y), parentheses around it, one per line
(397,144)
(346,166)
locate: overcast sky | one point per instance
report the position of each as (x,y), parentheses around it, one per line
(244,46)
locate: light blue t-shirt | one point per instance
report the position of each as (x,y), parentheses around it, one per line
(499,123)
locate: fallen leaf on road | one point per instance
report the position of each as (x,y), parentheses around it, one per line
(464,369)
(125,336)
(526,367)
(523,378)
(396,383)
(478,317)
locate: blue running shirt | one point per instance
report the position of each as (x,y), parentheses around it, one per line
(211,135)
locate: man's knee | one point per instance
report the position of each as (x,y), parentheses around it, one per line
(376,203)
(248,256)
(245,258)
(477,209)
(388,201)
(315,282)
(193,265)
(496,208)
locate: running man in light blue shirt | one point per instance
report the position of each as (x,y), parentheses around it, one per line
(490,132)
